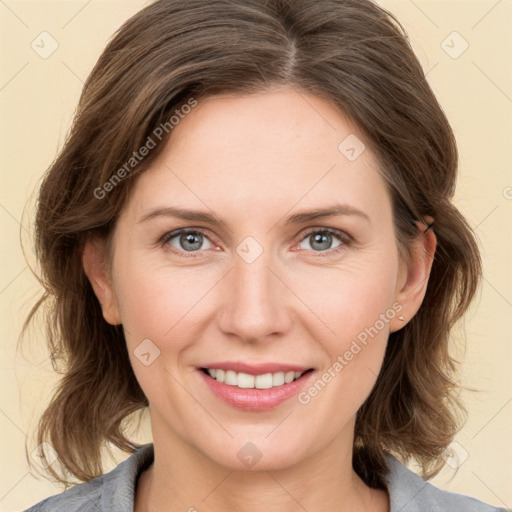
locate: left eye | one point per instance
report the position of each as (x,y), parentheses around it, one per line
(191,240)
(321,240)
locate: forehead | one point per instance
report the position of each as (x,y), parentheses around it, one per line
(263,151)
(279,123)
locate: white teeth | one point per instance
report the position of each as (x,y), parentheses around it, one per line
(231,378)
(278,379)
(244,380)
(263,381)
(247,381)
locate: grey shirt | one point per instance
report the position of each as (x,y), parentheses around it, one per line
(114,491)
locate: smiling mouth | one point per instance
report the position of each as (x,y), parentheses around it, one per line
(247,381)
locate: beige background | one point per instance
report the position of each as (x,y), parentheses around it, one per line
(37,98)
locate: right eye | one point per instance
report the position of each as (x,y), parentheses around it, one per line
(184,241)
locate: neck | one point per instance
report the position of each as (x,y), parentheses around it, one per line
(183,479)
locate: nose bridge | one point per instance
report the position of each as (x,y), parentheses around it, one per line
(255,304)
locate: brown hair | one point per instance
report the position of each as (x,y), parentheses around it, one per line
(353,54)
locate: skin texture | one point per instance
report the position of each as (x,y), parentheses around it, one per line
(253,161)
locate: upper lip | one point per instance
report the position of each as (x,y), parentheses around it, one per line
(256,369)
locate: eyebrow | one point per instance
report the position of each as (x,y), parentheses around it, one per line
(296,218)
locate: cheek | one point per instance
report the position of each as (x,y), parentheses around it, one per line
(158,301)
(352,309)
(351,298)
(355,346)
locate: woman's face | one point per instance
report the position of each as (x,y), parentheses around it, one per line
(263,284)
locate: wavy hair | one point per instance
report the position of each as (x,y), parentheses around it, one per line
(352,53)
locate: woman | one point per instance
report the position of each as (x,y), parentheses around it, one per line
(250,231)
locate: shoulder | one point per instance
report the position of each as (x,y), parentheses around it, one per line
(112,492)
(410,493)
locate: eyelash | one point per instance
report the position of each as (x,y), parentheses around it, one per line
(342,236)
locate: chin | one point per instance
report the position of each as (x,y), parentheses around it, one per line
(258,454)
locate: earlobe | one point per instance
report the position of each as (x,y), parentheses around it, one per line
(414,276)
(96,269)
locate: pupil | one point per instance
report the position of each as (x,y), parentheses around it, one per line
(323,239)
(190,238)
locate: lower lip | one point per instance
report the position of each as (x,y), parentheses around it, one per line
(255,399)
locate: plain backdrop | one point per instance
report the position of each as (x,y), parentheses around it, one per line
(464,46)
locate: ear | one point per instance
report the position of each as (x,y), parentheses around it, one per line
(97,270)
(414,275)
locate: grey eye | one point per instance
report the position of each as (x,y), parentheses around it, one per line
(321,240)
(188,241)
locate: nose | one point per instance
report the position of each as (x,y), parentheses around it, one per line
(256,301)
